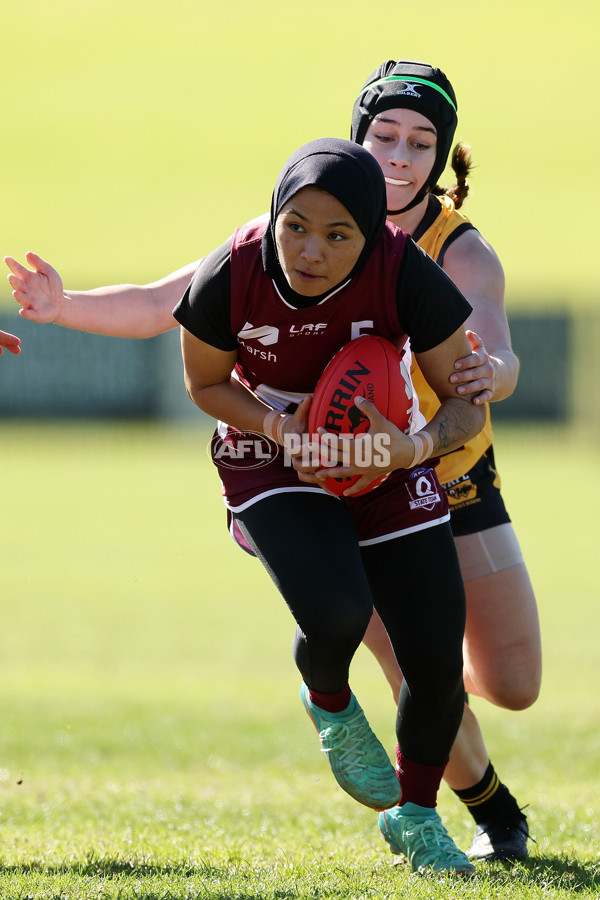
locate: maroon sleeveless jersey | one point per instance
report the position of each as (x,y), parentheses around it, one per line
(283,350)
(282,353)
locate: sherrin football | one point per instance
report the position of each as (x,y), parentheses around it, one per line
(370,367)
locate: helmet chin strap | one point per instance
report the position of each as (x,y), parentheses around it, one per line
(414,202)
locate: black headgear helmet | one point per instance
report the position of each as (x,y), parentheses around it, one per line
(410,85)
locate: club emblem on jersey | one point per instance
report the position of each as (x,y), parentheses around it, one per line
(460,491)
(423,494)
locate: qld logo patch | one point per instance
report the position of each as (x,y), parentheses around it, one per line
(422,490)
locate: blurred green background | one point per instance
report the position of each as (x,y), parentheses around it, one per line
(136,136)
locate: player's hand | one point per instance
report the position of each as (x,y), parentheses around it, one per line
(295,436)
(304,453)
(297,423)
(475,373)
(38,289)
(9,342)
(371,454)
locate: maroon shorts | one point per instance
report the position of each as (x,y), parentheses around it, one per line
(251,468)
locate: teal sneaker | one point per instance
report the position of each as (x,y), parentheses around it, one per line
(358,761)
(419,834)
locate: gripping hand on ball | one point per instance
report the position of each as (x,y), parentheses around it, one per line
(371,455)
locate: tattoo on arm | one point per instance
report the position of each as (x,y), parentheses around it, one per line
(456,424)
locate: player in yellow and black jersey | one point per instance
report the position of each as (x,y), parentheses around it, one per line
(406,115)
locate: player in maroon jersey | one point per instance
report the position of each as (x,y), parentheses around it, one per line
(143,310)
(262,317)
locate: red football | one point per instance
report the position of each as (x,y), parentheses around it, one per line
(370,367)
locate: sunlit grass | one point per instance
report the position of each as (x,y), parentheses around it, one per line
(153,744)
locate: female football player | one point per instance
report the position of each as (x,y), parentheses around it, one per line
(322,268)
(405,116)
(502,644)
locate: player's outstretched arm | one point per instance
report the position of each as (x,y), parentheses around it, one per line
(9,342)
(123,310)
(491,371)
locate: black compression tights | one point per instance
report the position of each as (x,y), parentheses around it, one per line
(308,544)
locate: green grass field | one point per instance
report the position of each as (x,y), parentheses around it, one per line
(153,744)
(137,135)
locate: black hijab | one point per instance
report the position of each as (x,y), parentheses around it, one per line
(347,172)
(410,85)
